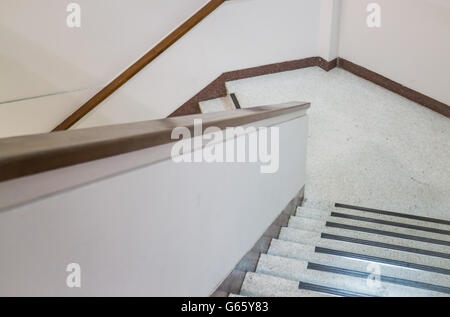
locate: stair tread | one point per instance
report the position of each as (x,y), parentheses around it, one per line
(298,270)
(318,204)
(395,215)
(358,232)
(320,223)
(298,235)
(380,217)
(305,252)
(262,285)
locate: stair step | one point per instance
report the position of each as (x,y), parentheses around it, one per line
(323,216)
(375,218)
(417,227)
(318,224)
(320,214)
(343,279)
(217,105)
(316,239)
(378,236)
(396,215)
(307,253)
(262,285)
(333,250)
(318,204)
(312,213)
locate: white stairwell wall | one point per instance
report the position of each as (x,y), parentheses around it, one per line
(40,55)
(141,225)
(411,47)
(239,34)
(330,11)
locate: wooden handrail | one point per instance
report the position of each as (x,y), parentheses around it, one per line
(31,154)
(168,41)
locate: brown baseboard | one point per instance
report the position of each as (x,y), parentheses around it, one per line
(216,89)
(233,283)
(327,65)
(395,87)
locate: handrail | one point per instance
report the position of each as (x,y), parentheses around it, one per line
(162,46)
(31,154)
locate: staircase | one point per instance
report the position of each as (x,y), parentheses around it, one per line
(352,251)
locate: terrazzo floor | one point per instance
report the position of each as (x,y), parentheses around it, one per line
(367,146)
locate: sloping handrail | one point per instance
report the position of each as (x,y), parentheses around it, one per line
(162,46)
(31,154)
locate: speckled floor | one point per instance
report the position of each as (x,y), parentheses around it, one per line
(367,146)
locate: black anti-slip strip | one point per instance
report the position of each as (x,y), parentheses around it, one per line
(389,223)
(235,101)
(386,233)
(329,290)
(382,260)
(395,214)
(385,245)
(383,278)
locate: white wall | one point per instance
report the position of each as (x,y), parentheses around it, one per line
(153,230)
(412,46)
(239,34)
(40,55)
(329,29)
(56,69)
